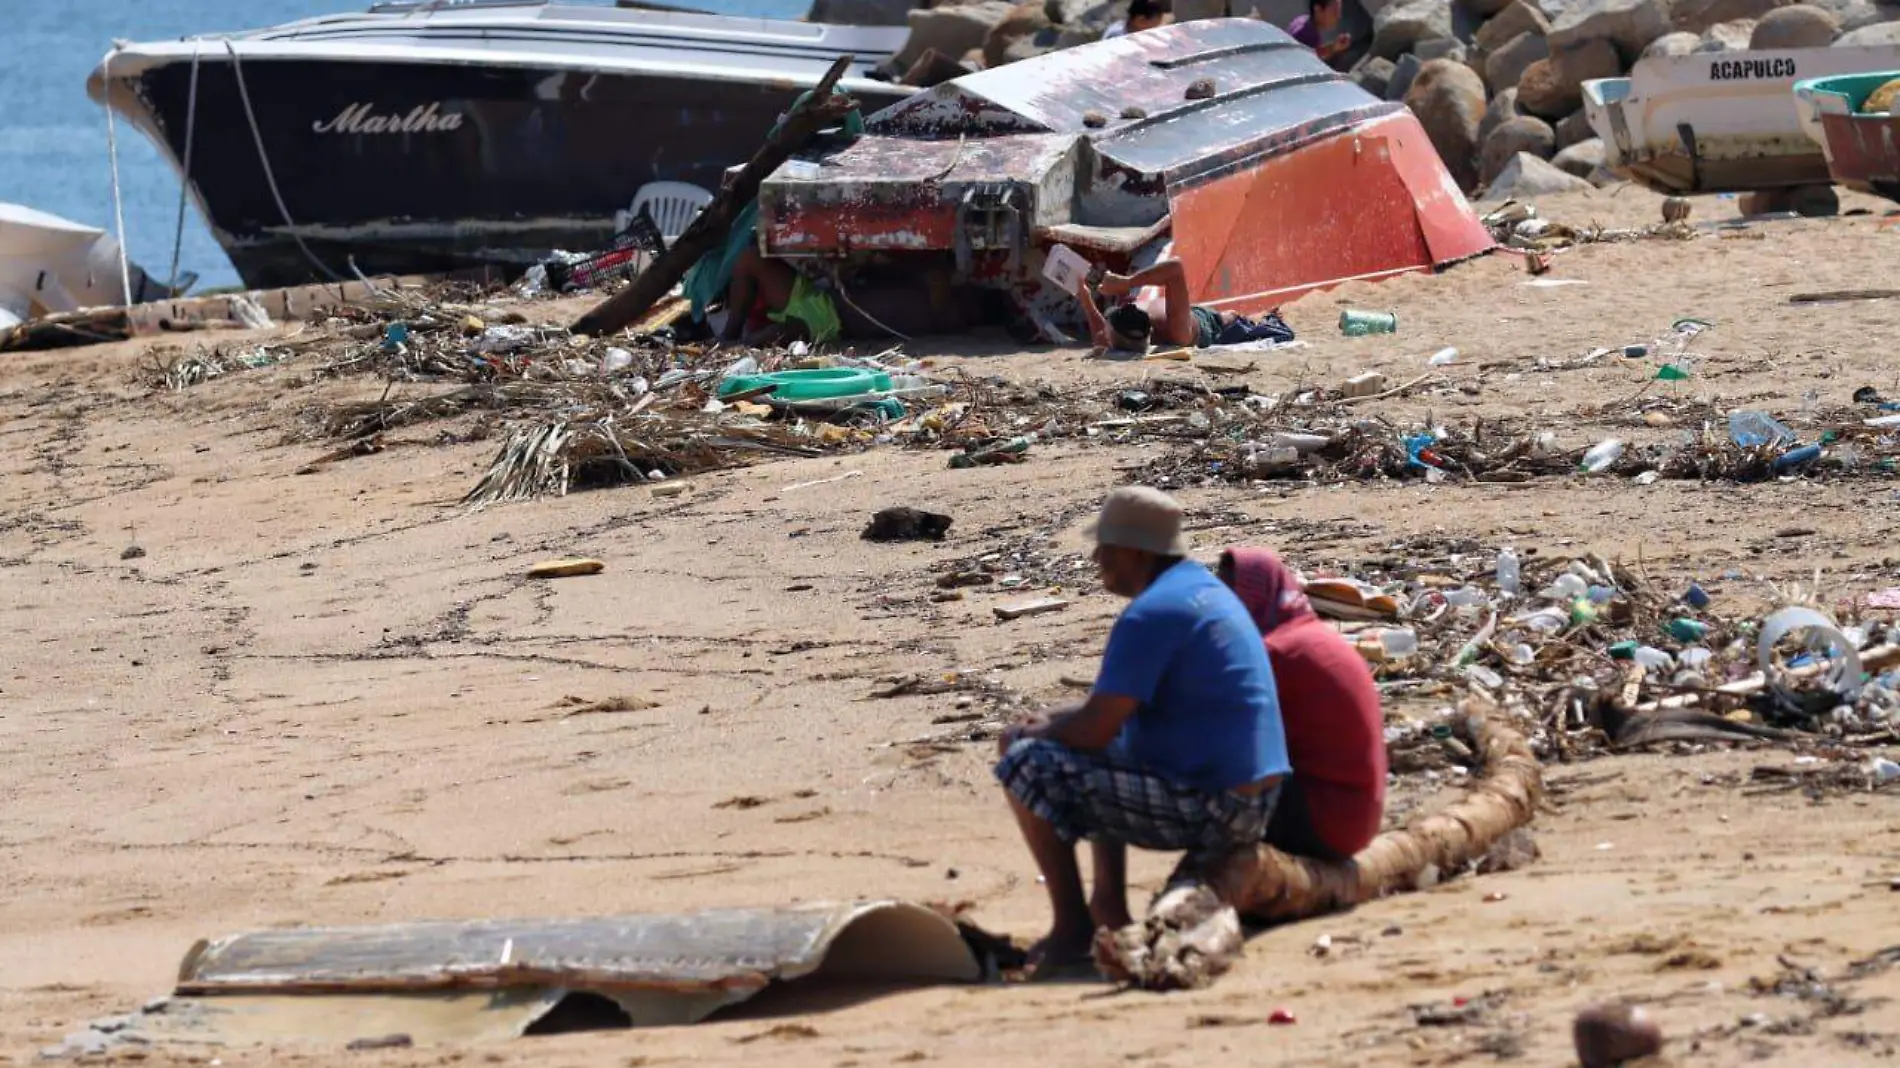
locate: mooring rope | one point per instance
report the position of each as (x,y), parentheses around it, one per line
(184,176)
(270,177)
(118,198)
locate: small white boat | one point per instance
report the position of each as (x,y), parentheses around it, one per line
(49,264)
(1719,122)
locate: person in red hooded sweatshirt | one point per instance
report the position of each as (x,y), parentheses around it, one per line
(1335,731)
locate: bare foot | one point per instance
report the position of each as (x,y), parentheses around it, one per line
(1061,949)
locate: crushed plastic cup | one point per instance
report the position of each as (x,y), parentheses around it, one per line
(1465,597)
(1398,641)
(1752,429)
(1547,620)
(1883,770)
(615,360)
(1566,587)
(1843,675)
(1653,659)
(1443,357)
(1695,658)
(1484,676)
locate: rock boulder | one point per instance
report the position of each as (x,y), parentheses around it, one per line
(1574,128)
(1629,24)
(1541,93)
(1582,160)
(1795,26)
(1501,108)
(1727,36)
(1698,15)
(1448,99)
(1480,10)
(1584,61)
(1679,43)
(1506,65)
(1025,20)
(1403,72)
(1882,33)
(1520,17)
(951,31)
(1374,75)
(1400,28)
(1520,134)
(1526,177)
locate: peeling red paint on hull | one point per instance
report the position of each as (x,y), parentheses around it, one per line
(1864,152)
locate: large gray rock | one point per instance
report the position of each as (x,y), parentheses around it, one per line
(1403,72)
(1374,75)
(1399,28)
(1698,15)
(1520,17)
(1884,33)
(1440,48)
(1448,99)
(1024,21)
(1582,160)
(1629,24)
(1502,107)
(1521,134)
(860,12)
(1525,177)
(1680,43)
(1541,93)
(1584,61)
(952,31)
(1795,26)
(1506,65)
(1858,14)
(1727,36)
(1574,128)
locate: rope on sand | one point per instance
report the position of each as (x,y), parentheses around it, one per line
(1193,932)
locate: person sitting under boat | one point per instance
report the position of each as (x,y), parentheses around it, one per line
(768,300)
(1333,805)
(1142,15)
(1178,748)
(1321,18)
(1130,327)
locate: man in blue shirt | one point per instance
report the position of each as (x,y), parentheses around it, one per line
(1178,748)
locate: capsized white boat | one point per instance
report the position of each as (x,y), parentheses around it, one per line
(49,264)
(1719,122)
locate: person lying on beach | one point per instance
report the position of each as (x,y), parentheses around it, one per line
(1335,732)
(1175,320)
(1179,747)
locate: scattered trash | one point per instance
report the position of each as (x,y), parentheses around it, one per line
(1037,607)
(1363,385)
(1282,1017)
(906,524)
(1443,357)
(568,568)
(672,489)
(1013,451)
(1601,456)
(1354,322)
(1752,430)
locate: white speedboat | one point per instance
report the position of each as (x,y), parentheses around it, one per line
(1719,122)
(423,137)
(49,264)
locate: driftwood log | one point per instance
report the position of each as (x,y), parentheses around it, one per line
(817,111)
(1193,931)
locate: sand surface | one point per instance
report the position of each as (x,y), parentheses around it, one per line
(333,698)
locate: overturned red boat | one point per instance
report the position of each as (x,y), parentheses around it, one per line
(1223,143)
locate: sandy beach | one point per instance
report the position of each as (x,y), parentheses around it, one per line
(333,698)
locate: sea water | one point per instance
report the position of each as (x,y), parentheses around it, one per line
(53,137)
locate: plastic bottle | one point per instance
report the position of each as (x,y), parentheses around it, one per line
(1510,580)
(1601,456)
(1687,630)
(1794,458)
(1695,596)
(1354,322)
(1653,659)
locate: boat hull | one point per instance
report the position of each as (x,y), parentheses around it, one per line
(410,168)
(1862,150)
(1718,122)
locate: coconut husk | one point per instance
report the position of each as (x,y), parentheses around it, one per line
(1192,933)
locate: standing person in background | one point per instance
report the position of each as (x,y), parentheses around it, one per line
(1142,15)
(1321,18)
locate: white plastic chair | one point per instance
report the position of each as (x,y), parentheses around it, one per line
(673,206)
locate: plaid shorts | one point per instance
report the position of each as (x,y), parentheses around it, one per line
(1101,797)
